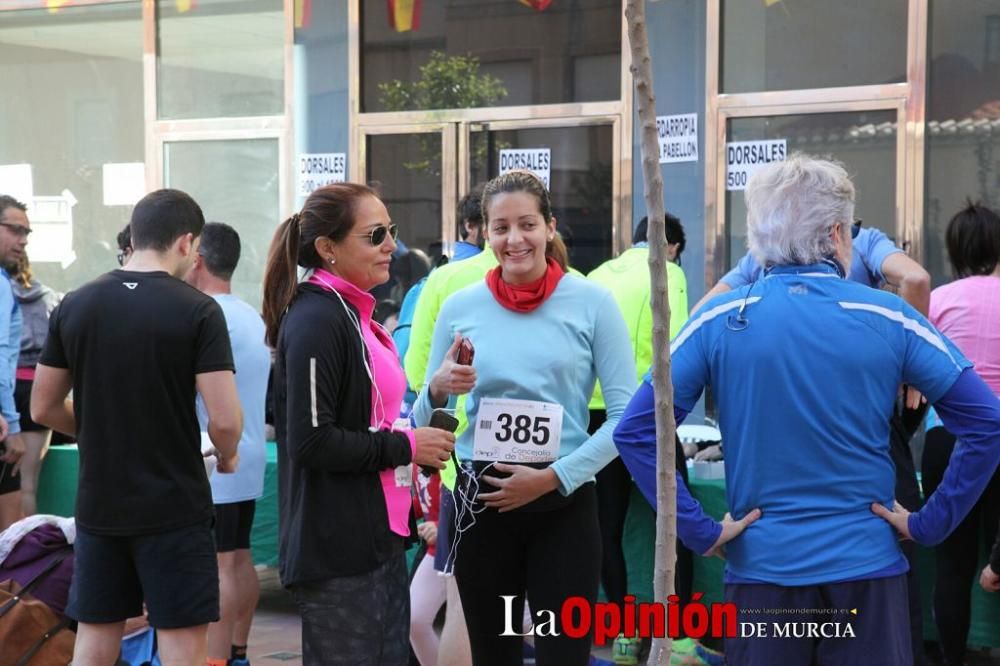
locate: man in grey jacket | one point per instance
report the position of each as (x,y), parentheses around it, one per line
(14,230)
(36,302)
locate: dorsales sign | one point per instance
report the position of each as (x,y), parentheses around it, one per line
(537,160)
(678,136)
(319,169)
(745,157)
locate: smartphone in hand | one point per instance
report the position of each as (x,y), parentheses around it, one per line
(466,352)
(441,418)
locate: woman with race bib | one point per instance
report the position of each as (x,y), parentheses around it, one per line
(527,508)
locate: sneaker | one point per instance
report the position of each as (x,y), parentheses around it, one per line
(625,651)
(709,656)
(684,652)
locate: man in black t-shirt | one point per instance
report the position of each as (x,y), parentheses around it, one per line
(134,346)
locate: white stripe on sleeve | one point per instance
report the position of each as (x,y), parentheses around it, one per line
(312,391)
(910,324)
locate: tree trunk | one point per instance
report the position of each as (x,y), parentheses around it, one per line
(666,483)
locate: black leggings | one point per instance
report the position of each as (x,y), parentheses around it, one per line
(958,555)
(550,555)
(908,494)
(614,488)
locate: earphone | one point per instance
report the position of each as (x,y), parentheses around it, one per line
(739,322)
(369,362)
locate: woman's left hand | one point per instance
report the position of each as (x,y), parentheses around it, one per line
(525,484)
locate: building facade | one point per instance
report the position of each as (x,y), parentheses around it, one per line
(248,103)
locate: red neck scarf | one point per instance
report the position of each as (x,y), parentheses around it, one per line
(525,297)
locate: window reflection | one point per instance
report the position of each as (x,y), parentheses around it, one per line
(406,169)
(235,182)
(568,52)
(71,144)
(864,142)
(220,58)
(963,119)
(800,44)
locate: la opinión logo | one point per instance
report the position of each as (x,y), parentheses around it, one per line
(578,617)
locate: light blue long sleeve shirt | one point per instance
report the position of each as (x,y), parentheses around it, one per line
(553,354)
(10,348)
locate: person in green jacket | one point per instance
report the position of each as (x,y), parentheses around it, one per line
(627,277)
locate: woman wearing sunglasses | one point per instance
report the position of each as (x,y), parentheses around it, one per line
(542,337)
(343,469)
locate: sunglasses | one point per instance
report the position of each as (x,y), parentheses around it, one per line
(856,228)
(377,235)
(17,229)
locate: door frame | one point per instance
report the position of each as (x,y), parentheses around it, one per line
(908,99)
(717,244)
(456,166)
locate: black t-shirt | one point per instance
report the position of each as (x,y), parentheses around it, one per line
(133,343)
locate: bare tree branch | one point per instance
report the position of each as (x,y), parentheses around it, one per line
(666,483)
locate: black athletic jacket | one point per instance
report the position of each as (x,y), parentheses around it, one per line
(332,515)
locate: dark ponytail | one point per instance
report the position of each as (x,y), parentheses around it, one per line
(281,277)
(327,213)
(556,248)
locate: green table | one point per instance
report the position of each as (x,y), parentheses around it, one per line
(58,493)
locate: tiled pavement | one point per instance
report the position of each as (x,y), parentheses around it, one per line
(275,638)
(276,635)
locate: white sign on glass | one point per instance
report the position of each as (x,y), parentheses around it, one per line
(536,160)
(745,157)
(52,229)
(678,137)
(319,169)
(15,181)
(124,183)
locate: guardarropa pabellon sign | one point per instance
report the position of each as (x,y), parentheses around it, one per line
(745,157)
(319,169)
(537,160)
(678,137)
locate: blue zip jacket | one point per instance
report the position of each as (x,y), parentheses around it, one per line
(805,367)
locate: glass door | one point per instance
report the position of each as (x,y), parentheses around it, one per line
(413,169)
(422,170)
(864,138)
(576,157)
(235,181)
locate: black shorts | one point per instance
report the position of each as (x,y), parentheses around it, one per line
(233,523)
(22,401)
(175,573)
(9,483)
